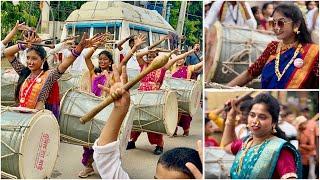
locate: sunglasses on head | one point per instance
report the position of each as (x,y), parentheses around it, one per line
(281,22)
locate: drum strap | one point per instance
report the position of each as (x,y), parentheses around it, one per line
(7,175)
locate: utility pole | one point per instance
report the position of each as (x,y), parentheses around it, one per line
(45,7)
(164,9)
(182,16)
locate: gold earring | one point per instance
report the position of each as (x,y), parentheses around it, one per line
(296,30)
(274,130)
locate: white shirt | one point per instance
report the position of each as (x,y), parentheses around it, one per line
(288,128)
(244,132)
(132,62)
(309,20)
(107,159)
(79,64)
(2,47)
(232,11)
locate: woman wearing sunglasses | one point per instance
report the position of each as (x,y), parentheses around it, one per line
(290,63)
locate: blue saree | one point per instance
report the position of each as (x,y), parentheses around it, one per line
(259,161)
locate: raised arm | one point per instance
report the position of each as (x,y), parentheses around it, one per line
(17,27)
(181,56)
(158,42)
(120,43)
(137,43)
(91,50)
(241,80)
(229,133)
(84,43)
(10,52)
(111,129)
(197,67)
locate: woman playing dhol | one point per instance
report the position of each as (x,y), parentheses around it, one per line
(290,63)
(37,85)
(265,153)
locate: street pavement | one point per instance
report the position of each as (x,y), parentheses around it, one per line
(139,163)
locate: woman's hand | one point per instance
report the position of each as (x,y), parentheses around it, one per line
(231,115)
(139,40)
(31,37)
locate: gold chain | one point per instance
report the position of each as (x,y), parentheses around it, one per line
(277,71)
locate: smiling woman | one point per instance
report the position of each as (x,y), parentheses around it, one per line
(290,63)
(267,140)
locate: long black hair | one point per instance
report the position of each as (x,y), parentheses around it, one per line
(109,55)
(26,71)
(273,107)
(293,12)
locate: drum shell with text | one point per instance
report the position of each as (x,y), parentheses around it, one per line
(243,44)
(155,111)
(35,139)
(74,105)
(188,93)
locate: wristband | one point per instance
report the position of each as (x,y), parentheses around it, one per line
(75,53)
(21,46)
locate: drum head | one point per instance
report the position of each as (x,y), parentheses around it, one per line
(39,146)
(195,97)
(171,112)
(214,41)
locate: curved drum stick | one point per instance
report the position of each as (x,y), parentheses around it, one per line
(157,63)
(51,46)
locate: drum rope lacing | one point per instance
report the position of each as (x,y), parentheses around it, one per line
(137,107)
(7,175)
(167,87)
(236,58)
(11,149)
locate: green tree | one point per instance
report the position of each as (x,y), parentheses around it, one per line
(25,11)
(193,20)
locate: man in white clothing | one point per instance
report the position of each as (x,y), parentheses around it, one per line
(232,13)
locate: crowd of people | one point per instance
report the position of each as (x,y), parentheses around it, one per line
(39,69)
(289,62)
(254,121)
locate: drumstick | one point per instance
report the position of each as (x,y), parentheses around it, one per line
(51,46)
(157,63)
(238,100)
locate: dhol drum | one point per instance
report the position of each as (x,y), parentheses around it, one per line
(217,163)
(9,81)
(155,111)
(231,50)
(74,105)
(29,143)
(76,80)
(188,93)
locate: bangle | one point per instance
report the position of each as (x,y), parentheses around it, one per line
(75,53)
(21,46)
(230,123)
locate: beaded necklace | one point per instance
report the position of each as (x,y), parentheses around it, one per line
(277,62)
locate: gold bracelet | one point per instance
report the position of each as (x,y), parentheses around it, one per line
(230,123)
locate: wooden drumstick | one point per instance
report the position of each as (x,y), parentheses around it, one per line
(51,46)
(238,100)
(157,63)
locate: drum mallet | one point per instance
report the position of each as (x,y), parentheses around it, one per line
(238,100)
(157,63)
(51,46)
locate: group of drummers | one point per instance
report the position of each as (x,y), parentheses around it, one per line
(38,87)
